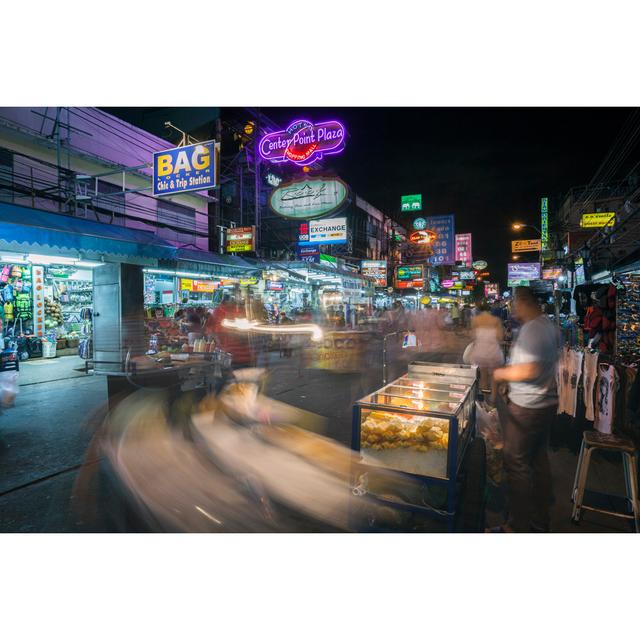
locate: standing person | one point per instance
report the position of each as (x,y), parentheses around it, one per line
(485,351)
(531,406)
(455,316)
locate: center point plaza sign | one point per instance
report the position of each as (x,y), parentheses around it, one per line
(309,198)
(190,168)
(303,142)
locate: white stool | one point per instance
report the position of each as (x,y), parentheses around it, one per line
(592,440)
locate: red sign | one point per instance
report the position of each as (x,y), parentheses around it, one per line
(422,237)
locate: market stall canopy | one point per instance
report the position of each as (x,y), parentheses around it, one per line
(26,229)
(207,262)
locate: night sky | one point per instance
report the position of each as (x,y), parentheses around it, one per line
(488,166)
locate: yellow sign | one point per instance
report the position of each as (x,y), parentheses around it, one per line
(596,220)
(186,284)
(248,282)
(519,246)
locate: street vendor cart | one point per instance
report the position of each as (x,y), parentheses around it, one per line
(416,439)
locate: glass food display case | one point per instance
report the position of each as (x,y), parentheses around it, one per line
(419,424)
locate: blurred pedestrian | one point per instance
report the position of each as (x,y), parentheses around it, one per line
(529,410)
(486,349)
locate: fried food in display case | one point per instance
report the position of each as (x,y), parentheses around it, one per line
(407,425)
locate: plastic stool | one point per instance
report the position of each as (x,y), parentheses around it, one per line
(592,440)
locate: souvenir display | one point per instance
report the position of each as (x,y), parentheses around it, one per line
(45,303)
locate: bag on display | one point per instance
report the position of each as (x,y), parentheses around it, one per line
(16,271)
(7,293)
(4,275)
(84,348)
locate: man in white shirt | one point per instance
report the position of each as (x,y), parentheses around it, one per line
(531,406)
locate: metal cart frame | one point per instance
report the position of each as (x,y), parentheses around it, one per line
(455,456)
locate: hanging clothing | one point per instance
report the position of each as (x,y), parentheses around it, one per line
(575,373)
(590,375)
(562,378)
(605,398)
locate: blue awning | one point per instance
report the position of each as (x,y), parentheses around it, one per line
(24,229)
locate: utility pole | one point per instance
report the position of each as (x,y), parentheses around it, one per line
(256,161)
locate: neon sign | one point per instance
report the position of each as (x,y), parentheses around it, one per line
(303,142)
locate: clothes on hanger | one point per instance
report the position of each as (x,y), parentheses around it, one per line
(590,376)
(605,397)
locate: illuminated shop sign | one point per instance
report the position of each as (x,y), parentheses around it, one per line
(419,224)
(551,273)
(523,271)
(479,265)
(272,179)
(463,249)
(240,239)
(303,142)
(443,245)
(544,223)
(422,237)
(411,203)
(491,290)
(332,231)
(597,220)
(308,254)
(520,246)
(199,286)
(410,276)
(190,168)
(307,199)
(274,285)
(376,269)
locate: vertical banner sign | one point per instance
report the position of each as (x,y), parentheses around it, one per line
(190,168)
(444,243)
(37,283)
(544,220)
(463,249)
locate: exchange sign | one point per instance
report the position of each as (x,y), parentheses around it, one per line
(520,246)
(240,239)
(190,168)
(411,203)
(597,220)
(376,269)
(303,142)
(309,198)
(332,231)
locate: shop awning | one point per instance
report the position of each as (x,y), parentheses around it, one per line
(214,263)
(23,229)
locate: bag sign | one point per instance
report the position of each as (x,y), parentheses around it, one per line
(190,168)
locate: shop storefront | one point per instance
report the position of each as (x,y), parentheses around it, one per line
(65,285)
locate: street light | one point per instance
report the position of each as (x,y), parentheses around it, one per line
(514,258)
(517,226)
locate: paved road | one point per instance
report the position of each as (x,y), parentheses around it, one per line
(44,439)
